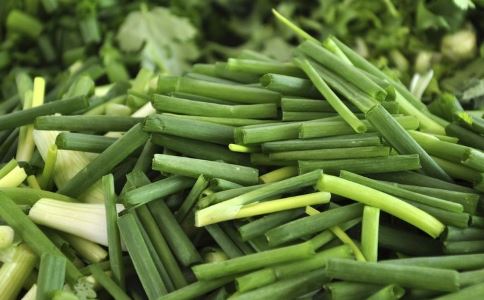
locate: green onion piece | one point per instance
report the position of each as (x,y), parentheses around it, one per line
(214,198)
(343,69)
(261,159)
(290,116)
(335,153)
(267,132)
(389,292)
(259,67)
(463,247)
(15,272)
(31,234)
(458,171)
(243,148)
(233,93)
(462,262)
(342,141)
(222,71)
(105,162)
(471,277)
(209,78)
(107,283)
(227,121)
(407,242)
(402,193)
(188,128)
(465,234)
(369,233)
(472,292)
(465,136)
(157,189)
(114,239)
(312,224)
(306,105)
(6,236)
(231,230)
(398,138)
(434,146)
(288,85)
(196,289)
(260,193)
(173,272)
(383,201)
(224,241)
(330,96)
(179,243)
(469,201)
(27,116)
(140,255)
(46,177)
(269,275)
(86,249)
(290,288)
(474,159)
(407,276)
(477,221)
(86,123)
(52,271)
(392,163)
(28,196)
(323,128)
(192,167)
(165,103)
(253,261)
(260,226)
(265,207)
(83,142)
(200,184)
(23,23)
(293,27)
(217,185)
(199,149)
(350,290)
(279,174)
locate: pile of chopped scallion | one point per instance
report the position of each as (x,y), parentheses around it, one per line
(318,178)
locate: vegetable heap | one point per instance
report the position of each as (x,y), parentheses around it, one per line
(245,179)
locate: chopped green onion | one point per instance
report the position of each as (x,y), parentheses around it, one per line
(83,142)
(389,292)
(108,283)
(86,123)
(15,272)
(52,271)
(334,153)
(288,85)
(369,233)
(259,67)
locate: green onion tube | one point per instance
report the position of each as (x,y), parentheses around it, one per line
(233,93)
(313,224)
(179,243)
(290,116)
(343,141)
(188,107)
(222,71)
(224,241)
(269,275)
(157,189)
(83,142)
(402,193)
(188,128)
(369,233)
(306,105)
(140,255)
(288,85)
(392,163)
(267,132)
(471,277)
(199,149)
(324,128)
(262,225)
(407,242)
(290,288)
(28,196)
(463,247)
(471,292)
(190,201)
(227,121)
(52,271)
(261,193)
(107,283)
(463,262)
(263,67)
(434,146)
(330,96)
(464,234)
(196,289)
(389,292)
(86,123)
(192,167)
(351,73)
(32,235)
(224,195)
(385,202)
(402,141)
(334,153)
(406,276)
(27,116)
(105,162)
(474,159)
(344,290)
(465,136)
(469,201)
(253,261)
